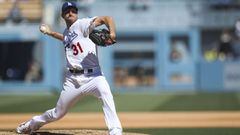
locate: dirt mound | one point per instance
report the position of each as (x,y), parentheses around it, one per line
(66,132)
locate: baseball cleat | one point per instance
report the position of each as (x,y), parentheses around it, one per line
(24,128)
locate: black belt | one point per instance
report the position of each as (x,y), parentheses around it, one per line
(80,71)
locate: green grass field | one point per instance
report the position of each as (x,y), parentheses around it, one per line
(187,131)
(127,102)
(228,101)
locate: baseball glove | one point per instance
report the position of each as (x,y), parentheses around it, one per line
(101,37)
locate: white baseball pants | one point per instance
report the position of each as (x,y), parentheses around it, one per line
(75,87)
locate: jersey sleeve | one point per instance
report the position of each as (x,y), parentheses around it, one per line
(87,26)
(64,37)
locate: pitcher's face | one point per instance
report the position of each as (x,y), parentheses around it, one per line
(70,15)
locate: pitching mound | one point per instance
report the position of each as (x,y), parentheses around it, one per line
(67,132)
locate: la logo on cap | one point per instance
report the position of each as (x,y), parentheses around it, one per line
(69,4)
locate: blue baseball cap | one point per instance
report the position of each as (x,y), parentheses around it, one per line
(67,5)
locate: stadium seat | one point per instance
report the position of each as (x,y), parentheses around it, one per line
(31,10)
(5,7)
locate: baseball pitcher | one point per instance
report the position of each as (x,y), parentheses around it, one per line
(84,76)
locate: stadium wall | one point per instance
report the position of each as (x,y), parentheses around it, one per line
(155,38)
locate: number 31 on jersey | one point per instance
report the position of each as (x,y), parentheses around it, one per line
(77,48)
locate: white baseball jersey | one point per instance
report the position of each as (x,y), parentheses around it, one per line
(80,51)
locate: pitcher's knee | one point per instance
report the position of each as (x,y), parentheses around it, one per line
(106,95)
(56,115)
(104,89)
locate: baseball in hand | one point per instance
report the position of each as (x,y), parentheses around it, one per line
(44,28)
